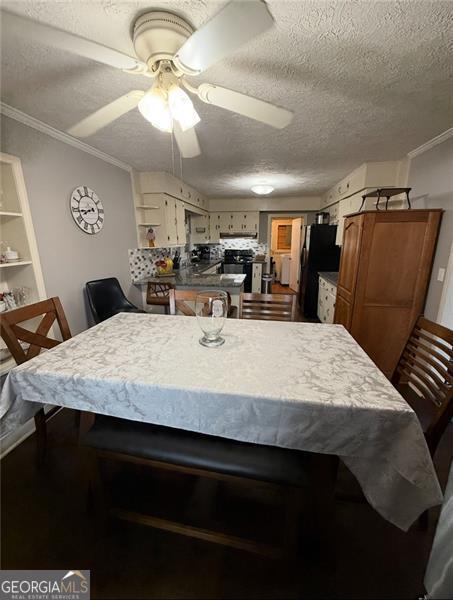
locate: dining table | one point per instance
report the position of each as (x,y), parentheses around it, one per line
(302,386)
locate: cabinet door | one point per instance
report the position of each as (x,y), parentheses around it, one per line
(350,254)
(225,222)
(180,222)
(251,221)
(256,278)
(214,226)
(239,221)
(343,312)
(171,233)
(199,222)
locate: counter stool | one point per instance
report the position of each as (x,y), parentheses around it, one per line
(158,294)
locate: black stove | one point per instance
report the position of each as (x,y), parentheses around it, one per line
(235,257)
(239,261)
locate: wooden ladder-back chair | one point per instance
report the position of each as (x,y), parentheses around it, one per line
(13,334)
(268,307)
(158,294)
(179,299)
(424,377)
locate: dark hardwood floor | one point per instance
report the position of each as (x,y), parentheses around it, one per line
(46,524)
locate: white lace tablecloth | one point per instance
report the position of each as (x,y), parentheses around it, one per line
(295,385)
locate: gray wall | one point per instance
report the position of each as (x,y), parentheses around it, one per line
(431,179)
(70,257)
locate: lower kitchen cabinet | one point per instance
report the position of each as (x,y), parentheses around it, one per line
(326,300)
(257,274)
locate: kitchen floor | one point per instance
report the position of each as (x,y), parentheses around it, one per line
(46,525)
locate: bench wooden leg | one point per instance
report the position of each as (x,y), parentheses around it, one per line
(41,435)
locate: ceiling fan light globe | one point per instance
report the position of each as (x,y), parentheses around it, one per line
(154,108)
(181,108)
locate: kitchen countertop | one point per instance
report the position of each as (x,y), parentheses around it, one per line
(193,276)
(330,276)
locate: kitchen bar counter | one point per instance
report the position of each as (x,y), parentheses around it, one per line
(330,276)
(195,275)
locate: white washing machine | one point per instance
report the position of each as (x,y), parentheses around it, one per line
(286,269)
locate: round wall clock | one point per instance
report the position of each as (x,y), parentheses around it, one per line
(87,210)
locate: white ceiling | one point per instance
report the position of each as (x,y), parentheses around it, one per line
(367,80)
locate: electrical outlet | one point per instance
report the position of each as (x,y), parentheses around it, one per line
(440,274)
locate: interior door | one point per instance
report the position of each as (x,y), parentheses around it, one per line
(296,248)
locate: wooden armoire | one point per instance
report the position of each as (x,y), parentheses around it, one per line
(385,268)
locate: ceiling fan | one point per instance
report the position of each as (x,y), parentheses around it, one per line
(169,51)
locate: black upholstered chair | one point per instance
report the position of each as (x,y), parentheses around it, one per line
(106,299)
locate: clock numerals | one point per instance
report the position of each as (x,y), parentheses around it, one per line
(79,220)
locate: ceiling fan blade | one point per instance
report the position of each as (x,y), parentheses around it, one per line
(52,36)
(272,115)
(237,23)
(106,115)
(187,141)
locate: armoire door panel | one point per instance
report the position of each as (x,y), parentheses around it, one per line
(343,312)
(350,256)
(382,333)
(394,251)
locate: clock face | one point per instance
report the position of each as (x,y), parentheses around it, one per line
(87,210)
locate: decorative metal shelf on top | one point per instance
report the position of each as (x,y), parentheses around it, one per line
(386,193)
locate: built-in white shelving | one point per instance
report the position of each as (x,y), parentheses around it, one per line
(18,233)
(17,263)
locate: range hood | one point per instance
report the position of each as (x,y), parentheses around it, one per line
(238,234)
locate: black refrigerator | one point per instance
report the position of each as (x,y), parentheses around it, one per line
(319,253)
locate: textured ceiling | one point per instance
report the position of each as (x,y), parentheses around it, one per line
(367,80)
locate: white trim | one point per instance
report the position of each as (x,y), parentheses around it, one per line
(21,117)
(431,143)
(444,305)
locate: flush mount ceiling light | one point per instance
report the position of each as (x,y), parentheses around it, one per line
(262,189)
(169,51)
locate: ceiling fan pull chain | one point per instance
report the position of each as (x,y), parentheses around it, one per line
(180,164)
(172,154)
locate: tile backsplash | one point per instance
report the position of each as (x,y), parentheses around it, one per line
(243,244)
(141,261)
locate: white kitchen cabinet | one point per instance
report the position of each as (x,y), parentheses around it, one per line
(368,175)
(199,229)
(214,226)
(327,293)
(257,273)
(166,216)
(159,182)
(180,223)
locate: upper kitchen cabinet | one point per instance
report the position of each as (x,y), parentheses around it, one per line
(347,194)
(166,216)
(199,229)
(161,182)
(233,222)
(161,201)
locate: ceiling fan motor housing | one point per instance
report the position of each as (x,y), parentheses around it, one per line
(158,35)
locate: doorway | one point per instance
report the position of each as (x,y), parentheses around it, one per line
(284,246)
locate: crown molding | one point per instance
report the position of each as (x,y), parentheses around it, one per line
(21,117)
(431,143)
